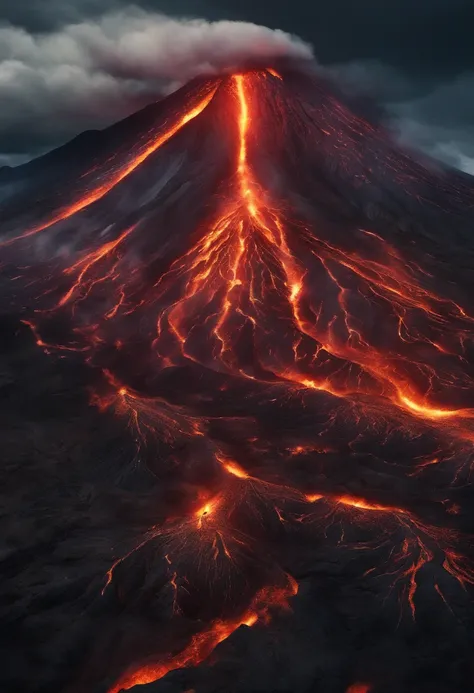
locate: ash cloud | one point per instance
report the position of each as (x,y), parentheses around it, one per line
(436,118)
(91,73)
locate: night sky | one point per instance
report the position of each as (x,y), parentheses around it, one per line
(415,58)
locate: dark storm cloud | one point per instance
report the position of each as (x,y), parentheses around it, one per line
(442,121)
(94,72)
(417,58)
(37,15)
(438,118)
(426,35)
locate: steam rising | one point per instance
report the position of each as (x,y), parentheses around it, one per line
(89,74)
(154,46)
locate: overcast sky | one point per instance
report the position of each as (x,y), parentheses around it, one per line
(415,56)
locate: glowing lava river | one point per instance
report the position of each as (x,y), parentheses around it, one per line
(261,288)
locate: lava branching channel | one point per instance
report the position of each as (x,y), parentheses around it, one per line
(265,285)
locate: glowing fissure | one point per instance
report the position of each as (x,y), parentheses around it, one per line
(209,523)
(245,180)
(100,191)
(241,279)
(247,234)
(203,644)
(402,395)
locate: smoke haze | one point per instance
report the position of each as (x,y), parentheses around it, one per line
(88,74)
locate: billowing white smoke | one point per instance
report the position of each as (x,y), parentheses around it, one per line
(89,74)
(154,46)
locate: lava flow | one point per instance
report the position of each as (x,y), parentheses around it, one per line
(275,350)
(202,644)
(98,192)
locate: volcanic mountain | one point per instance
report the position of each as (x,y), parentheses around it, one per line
(238,401)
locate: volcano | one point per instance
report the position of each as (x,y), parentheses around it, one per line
(238,401)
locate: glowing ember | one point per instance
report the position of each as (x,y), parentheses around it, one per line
(205,512)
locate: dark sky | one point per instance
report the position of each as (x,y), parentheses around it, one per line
(416,56)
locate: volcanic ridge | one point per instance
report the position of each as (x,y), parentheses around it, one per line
(260,308)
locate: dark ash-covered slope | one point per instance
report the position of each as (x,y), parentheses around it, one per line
(238,408)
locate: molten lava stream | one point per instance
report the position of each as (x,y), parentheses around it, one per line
(209,532)
(237,274)
(247,247)
(251,301)
(203,644)
(98,192)
(387,382)
(244,280)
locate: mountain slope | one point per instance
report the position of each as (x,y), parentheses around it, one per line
(271,302)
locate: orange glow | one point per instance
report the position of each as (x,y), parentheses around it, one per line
(224,262)
(202,644)
(362,504)
(274,73)
(233,468)
(355,502)
(352,337)
(246,184)
(88,262)
(433,413)
(422,542)
(359,688)
(313,497)
(205,512)
(100,191)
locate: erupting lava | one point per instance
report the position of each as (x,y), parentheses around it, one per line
(255,303)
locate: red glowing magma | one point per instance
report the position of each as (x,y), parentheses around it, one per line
(245,274)
(202,644)
(359,688)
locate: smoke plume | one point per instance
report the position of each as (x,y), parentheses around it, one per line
(89,74)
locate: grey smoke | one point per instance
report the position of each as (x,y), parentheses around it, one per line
(91,73)
(437,119)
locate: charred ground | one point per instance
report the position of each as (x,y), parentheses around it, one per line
(238,406)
